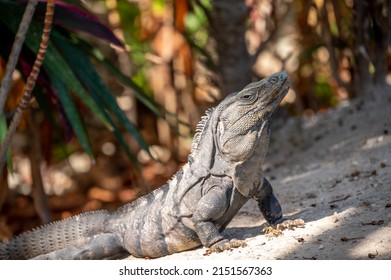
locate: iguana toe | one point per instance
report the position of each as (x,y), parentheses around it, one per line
(281,225)
(226,244)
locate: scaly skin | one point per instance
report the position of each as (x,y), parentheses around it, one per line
(192,209)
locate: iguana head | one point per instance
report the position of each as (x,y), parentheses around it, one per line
(232,139)
(241,130)
(243,117)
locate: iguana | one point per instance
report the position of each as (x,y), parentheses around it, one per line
(193,208)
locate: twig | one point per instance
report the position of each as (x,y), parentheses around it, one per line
(374,223)
(24,103)
(15,51)
(35,155)
(340,199)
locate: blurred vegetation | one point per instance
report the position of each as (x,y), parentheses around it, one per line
(122,78)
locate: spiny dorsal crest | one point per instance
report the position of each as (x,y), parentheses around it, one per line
(200,128)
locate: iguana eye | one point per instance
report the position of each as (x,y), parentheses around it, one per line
(247,97)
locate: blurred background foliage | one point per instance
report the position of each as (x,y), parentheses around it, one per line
(123,78)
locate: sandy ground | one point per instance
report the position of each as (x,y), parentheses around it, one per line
(333,170)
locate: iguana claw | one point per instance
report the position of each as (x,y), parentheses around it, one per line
(226,244)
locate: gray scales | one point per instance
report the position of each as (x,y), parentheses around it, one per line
(224,171)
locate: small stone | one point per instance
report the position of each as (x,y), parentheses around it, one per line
(321,247)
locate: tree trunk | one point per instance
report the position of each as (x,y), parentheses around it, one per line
(227,21)
(361,75)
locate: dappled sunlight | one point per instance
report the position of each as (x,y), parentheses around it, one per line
(341,144)
(374,240)
(376,141)
(299,176)
(338,230)
(108,124)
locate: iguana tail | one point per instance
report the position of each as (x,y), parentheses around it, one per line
(74,232)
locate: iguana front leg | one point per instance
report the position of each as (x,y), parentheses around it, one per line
(209,209)
(271,210)
(268,203)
